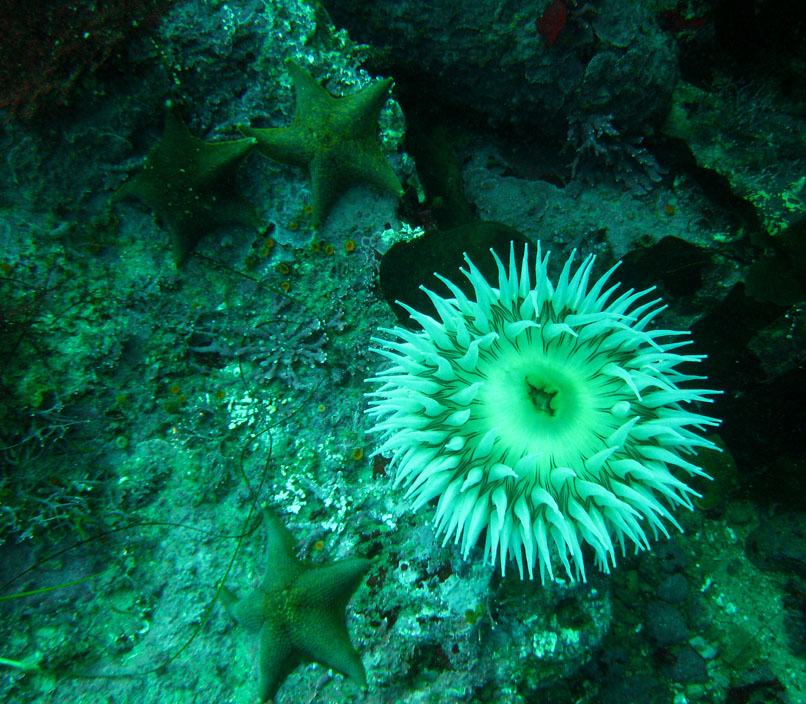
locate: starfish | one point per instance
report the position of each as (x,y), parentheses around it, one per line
(334,139)
(298,610)
(188,183)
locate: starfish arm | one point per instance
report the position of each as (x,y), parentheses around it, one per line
(320,630)
(332,584)
(309,95)
(141,187)
(281,562)
(371,166)
(250,611)
(362,109)
(323,637)
(327,185)
(185,234)
(230,600)
(278,658)
(213,160)
(288,145)
(330,176)
(188,161)
(175,131)
(203,210)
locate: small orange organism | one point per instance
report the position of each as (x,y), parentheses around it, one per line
(319,544)
(175,389)
(285,286)
(669,209)
(358,454)
(329,249)
(349,246)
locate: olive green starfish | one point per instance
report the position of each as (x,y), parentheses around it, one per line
(189,184)
(334,139)
(298,610)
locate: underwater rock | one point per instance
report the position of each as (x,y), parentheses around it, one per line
(407,265)
(779,544)
(496,59)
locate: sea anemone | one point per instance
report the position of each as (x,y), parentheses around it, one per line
(549,415)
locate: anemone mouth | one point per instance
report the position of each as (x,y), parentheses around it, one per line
(538,404)
(546,415)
